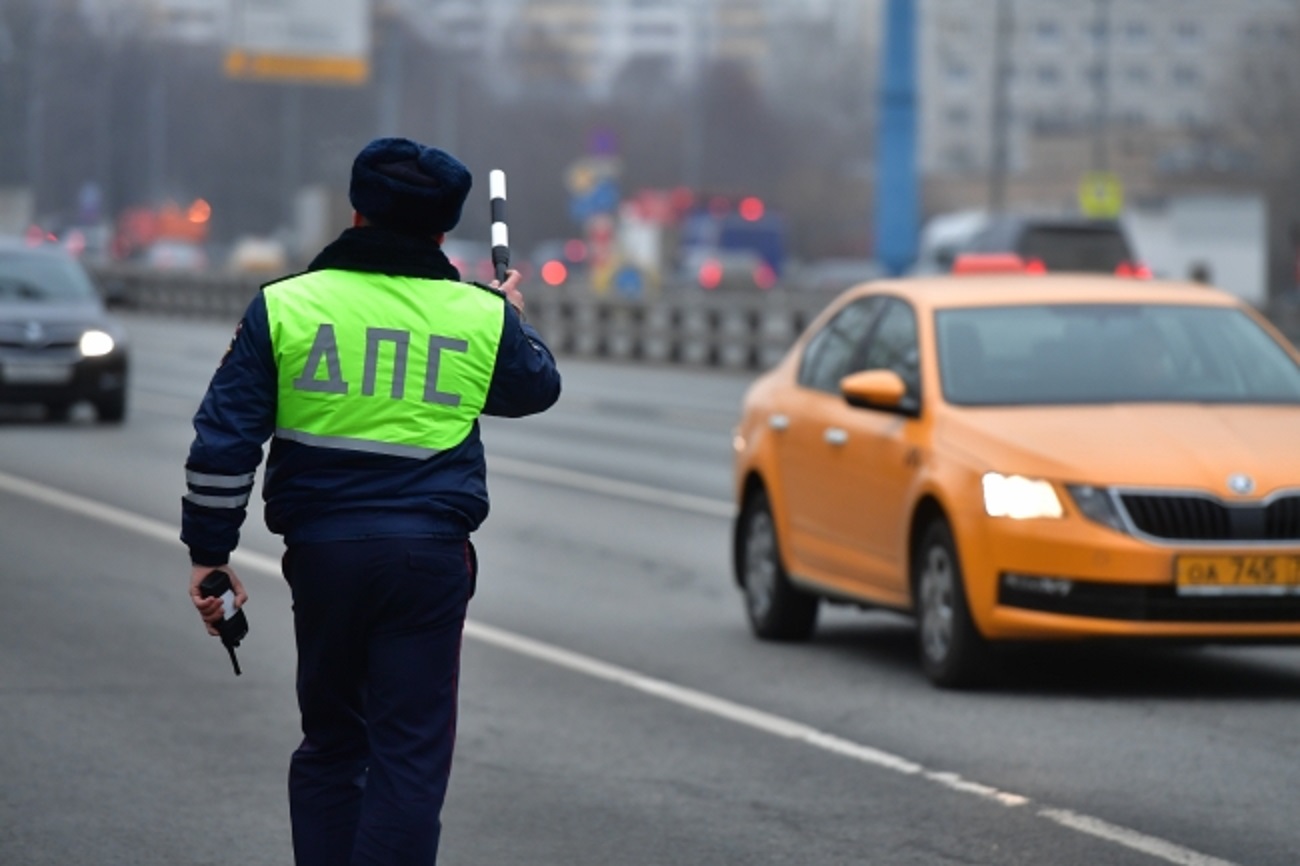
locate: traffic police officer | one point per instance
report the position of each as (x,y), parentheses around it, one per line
(368,373)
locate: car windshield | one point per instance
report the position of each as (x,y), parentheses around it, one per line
(1110,353)
(37,277)
(1075,248)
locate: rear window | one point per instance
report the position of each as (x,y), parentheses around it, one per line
(1076,248)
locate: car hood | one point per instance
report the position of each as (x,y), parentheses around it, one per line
(1179,445)
(78,312)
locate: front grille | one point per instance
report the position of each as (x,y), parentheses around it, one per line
(1192,517)
(25,346)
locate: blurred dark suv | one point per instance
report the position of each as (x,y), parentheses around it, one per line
(58,343)
(1070,244)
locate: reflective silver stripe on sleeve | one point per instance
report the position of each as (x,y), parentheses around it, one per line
(388,449)
(221,482)
(238,501)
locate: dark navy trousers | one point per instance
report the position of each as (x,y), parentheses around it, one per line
(378,624)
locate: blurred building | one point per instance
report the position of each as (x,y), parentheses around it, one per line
(587,44)
(1142,87)
(590,44)
(194,21)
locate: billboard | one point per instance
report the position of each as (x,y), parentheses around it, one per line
(310,41)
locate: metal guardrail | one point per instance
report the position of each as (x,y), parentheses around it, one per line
(729,330)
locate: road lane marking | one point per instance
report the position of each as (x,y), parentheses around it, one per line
(756,719)
(124,519)
(1129,839)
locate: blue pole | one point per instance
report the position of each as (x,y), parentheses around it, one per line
(897,183)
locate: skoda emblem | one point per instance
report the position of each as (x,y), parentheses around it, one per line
(34,333)
(1241,484)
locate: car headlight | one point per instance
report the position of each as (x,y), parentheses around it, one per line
(1019,498)
(1096,504)
(96,343)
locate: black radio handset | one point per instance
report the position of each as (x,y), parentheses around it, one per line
(233,626)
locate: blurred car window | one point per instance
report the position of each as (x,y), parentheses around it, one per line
(35,276)
(1061,244)
(893,346)
(1099,353)
(831,351)
(1076,247)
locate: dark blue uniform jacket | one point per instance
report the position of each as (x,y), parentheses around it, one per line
(327,494)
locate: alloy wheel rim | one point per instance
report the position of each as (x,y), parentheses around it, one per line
(937,604)
(760,564)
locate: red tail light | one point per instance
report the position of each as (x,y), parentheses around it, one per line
(1133,270)
(710,275)
(1035,266)
(989,263)
(554,273)
(764,276)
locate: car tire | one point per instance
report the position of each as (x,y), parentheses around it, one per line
(777,610)
(58,411)
(111,410)
(953,652)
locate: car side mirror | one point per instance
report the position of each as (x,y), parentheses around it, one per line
(875,389)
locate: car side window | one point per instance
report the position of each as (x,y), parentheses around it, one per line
(829,353)
(893,346)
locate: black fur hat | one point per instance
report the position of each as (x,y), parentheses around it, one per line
(404,186)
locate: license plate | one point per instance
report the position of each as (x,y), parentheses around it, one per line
(1247,574)
(36,373)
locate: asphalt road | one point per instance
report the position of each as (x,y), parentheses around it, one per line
(615,709)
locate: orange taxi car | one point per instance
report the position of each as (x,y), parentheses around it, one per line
(1021,457)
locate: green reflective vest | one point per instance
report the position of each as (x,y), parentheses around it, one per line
(382,364)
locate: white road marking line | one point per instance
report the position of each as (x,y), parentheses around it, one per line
(1129,839)
(741,714)
(124,519)
(610,487)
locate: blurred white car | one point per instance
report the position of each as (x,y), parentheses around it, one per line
(173,255)
(258,255)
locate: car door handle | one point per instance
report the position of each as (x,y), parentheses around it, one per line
(835,436)
(778,422)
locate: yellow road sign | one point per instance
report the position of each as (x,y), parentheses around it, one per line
(284,67)
(1101,195)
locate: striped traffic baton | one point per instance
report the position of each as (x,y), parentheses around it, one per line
(500,234)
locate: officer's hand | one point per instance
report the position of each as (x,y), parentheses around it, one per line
(210,609)
(511,290)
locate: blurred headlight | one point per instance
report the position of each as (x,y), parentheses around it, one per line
(1097,505)
(1019,498)
(96,343)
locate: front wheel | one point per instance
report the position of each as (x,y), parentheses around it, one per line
(777,609)
(111,410)
(953,652)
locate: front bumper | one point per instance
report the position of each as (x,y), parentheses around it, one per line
(64,376)
(1070,578)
